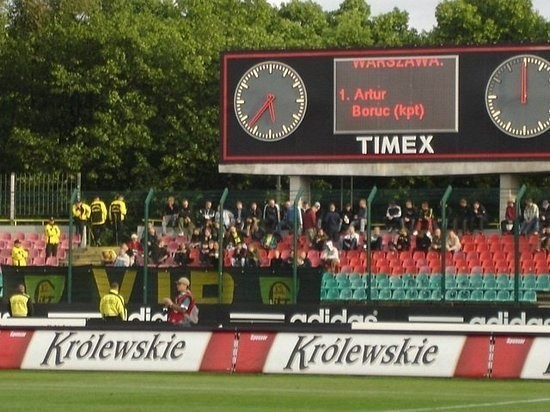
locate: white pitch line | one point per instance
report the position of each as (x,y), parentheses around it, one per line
(467,406)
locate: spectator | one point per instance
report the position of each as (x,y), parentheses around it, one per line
(320,240)
(98,217)
(423,242)
(346,216)
(239,215)
(544,214)
(238,259)
(507,225)
(425,218)
(233,237)
(310,221)
(122,259)
(20,303)
(452,243)
(19,255)
(185,219)
(152,241)
(253,256)
(360,218)
(530,223)
(479,216)
(410,216)
(180,310)
(376,238)
(253,220)
(182,256)
(393,217)
(135,248)
(160,254)
(332,223)
(169,214)
(52,233)
(206,214)
(195,241)
(271,216)
(276,261)
(462,217)
(117,214)
(213,252)
(81,213)
(227,218)
(108,256)
(303,261)
(403,241)
(350,240)
(111,305)
(270,240)
(544,239)
(330,257)
(288,220)
(437,241)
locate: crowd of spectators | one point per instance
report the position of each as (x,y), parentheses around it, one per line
(252,236)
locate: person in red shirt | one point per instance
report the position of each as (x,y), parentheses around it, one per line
(181,310)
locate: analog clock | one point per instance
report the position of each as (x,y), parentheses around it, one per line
(270,101)
(518,96)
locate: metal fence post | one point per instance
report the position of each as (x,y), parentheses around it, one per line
(146,245)
(519,199)
(370,199)
(74,196)
(295,247)
(443,205)
(220,245)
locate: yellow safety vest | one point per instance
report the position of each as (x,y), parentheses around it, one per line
(19,256)
(112,304)
(18,305)
(52,234)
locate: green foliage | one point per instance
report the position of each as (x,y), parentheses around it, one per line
(127,91)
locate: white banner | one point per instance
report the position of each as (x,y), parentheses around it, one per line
(116,350)
(354,354)
(537,363)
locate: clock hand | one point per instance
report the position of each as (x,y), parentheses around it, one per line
(268,103)
(272,110)
(523,97)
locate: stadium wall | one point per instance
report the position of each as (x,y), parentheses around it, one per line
(421,350)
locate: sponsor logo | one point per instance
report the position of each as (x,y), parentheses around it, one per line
(14,334)
(503,318)
(312,351)
(145,315)
(515,341)
(325,315)
(255,337)
(69,346)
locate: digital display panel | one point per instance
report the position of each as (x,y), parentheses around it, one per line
(386,106)
(396,94)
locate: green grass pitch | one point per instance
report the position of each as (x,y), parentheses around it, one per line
(147,391)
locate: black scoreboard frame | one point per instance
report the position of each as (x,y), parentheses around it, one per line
(318,138)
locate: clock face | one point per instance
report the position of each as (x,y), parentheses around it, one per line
(518,96)
(270,101)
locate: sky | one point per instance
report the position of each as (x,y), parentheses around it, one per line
(421,12)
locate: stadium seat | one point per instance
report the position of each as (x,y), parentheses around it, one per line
(422,281)
(463,295)
(360,294)
(476,295)
(332,294)
(476,281)
(503,295)
(543,283)
(529,296)
(382,280)
(436,295)
(330,283)
(435,281)
(343,283)
(528,282)
(398,294)
(451,295)
(396,282)
(346,294)
(490,295)
(424,294)
(411,294)
(384,294)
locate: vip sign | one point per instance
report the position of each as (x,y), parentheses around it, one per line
(113,350)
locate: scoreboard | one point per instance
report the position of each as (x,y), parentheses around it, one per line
(386,105)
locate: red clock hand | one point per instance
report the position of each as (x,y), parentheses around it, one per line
(268,103)
(523,97)
(272,110)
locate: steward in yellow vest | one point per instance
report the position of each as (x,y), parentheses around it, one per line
(112,306)
(52,234)
(18,254)
(20,305)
